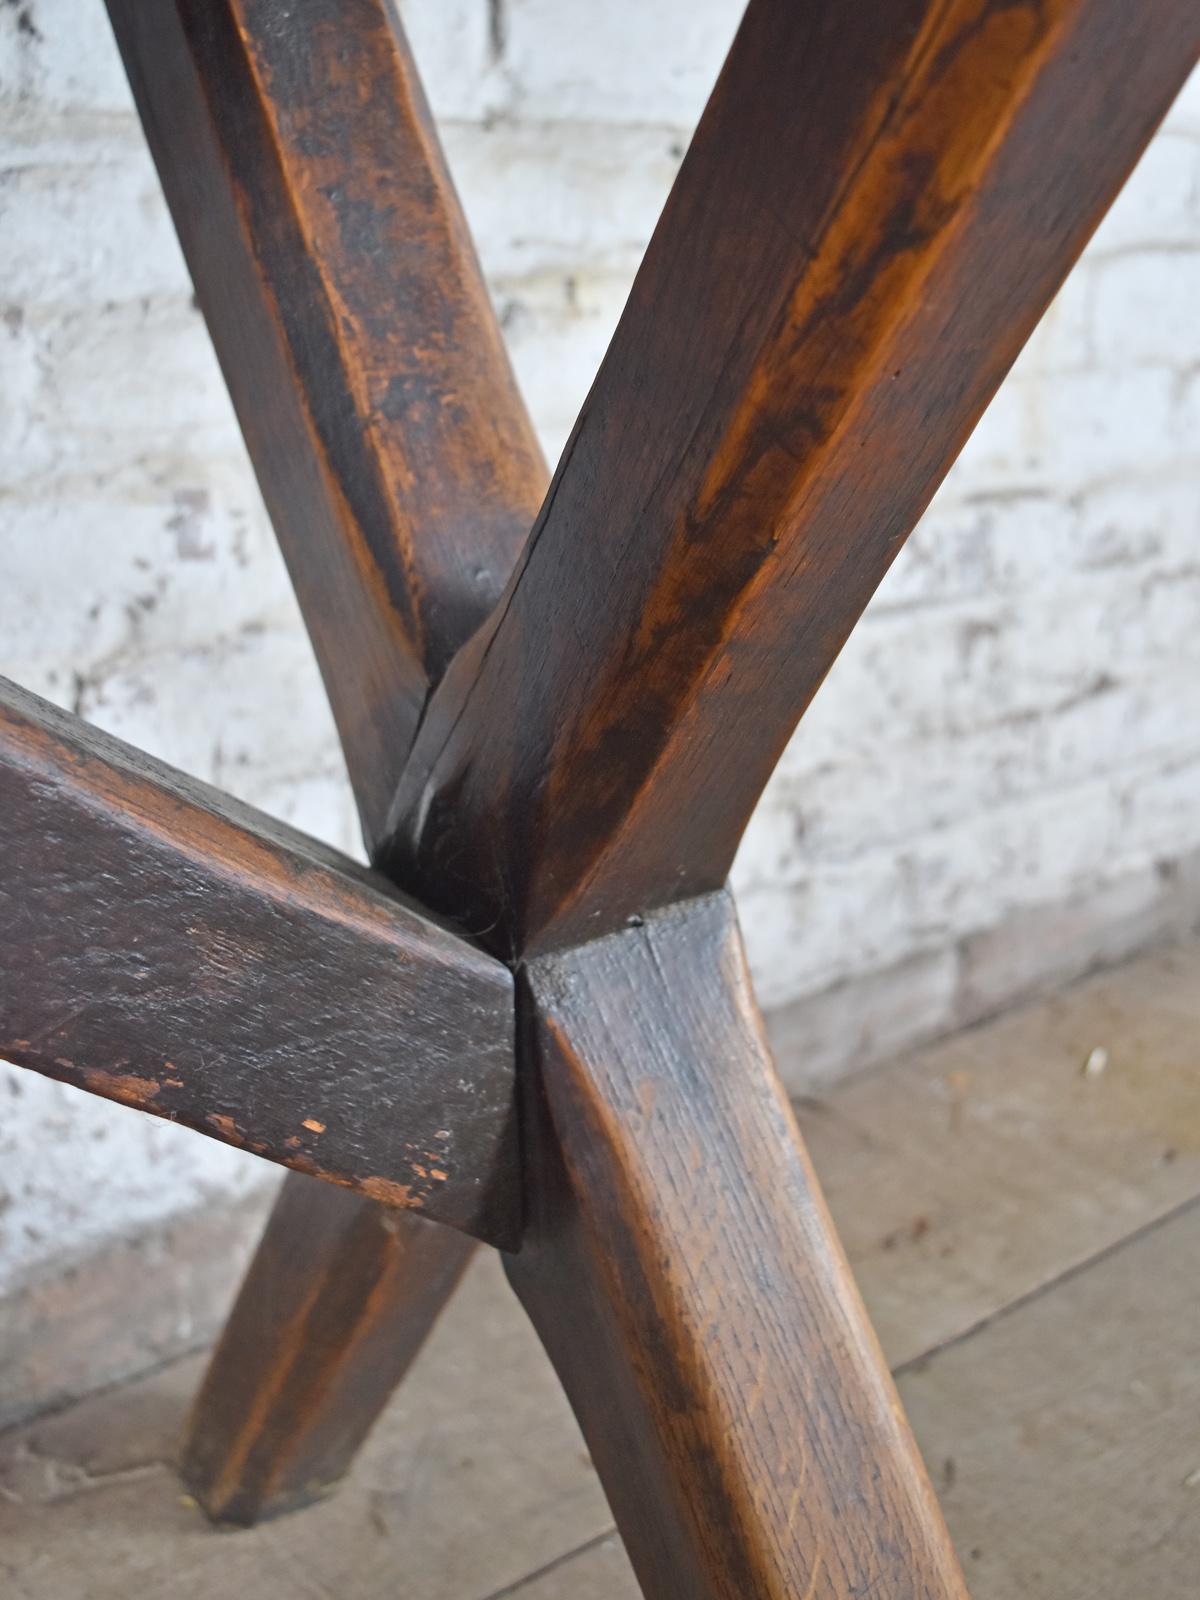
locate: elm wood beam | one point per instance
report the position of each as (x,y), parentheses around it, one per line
(163,946)
(683,1273)
(336,1305)
(878,205)
(345,301)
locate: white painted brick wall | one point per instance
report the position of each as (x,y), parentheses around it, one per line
(1003,767)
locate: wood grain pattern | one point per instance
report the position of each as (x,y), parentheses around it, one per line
(343,295)
(476,1480)
(684,1276)
(335,1307)
(163,946)
(1066,1432)
(1062,1436)
(961,1180)
(874,212)
(341,289)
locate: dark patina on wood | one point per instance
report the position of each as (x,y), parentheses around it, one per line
(342,292)
(341,289)
(875,210)
(163,946)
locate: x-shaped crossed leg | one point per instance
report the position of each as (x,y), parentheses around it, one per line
(556,740)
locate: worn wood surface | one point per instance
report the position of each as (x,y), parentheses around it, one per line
(873,214)
(115,1310)
(683,1274)
(867,225)
(927,1167)
(1063,1439)
(341,289)
(1095,1390)
(166,947)
(342,292)
(314,1347)
(476,1477)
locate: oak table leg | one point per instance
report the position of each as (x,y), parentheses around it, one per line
(873,213)
(246,981)
(878,204)
(684,1275)
(334,267)
(318,1339)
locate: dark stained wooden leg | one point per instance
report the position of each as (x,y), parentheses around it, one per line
(870,219)
(332,262)
(685,1278)
(335,270)
(333,1311)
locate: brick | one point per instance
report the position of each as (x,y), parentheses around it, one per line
(86,232)
(824,1037)
(1037,948)
(60,55)
(1184,116)
(77,1170)
(1001,447)
(1092,427)
(1062,340)
(451,43)
(117,383)
(1122,525)
(1163,805)
(632,63)
(151,560)
(1145,309)
(244,711)
(983,539)
(558,330)
(1185,420)
(890,789)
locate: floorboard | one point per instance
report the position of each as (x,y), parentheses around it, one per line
(973,1172)
(1025,1233)
(1066,1436)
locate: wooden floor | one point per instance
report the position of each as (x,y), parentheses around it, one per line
(1027,1234)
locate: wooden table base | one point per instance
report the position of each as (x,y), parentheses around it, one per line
(557,723)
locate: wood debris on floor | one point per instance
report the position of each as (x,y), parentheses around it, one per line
(1022,1206)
